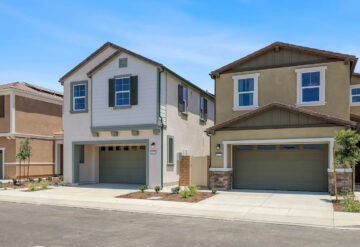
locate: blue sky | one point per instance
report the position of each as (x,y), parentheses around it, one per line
(42,40)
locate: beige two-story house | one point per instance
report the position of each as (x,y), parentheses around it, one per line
(277,112)
(131,120)
(29,111)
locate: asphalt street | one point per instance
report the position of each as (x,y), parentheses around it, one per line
(27,225)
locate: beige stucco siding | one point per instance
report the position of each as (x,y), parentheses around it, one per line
(268,134)
(5,121)
(10,149)
(188,131)
(280,85)
(37,117)
(42,150)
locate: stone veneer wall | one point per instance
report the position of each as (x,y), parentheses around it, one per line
(343,181)
(220,179)
(184,179)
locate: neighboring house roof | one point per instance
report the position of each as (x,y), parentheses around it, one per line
(275,45)
(327,118)
(117,52)
(356,74)
(29,88)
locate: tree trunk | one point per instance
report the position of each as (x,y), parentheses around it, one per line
(335,189)
(28,168)
(20,171)
(353,168)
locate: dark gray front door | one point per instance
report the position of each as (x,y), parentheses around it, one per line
(126,165)
(297,167)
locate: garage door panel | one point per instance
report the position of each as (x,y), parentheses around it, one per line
(281,169)
(123,166)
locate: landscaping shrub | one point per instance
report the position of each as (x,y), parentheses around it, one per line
(44,185)
(175,190)
(143,188)
(49,179)
(213,190)
(61,178)
(14,181)
(32,186)
(31,180)
(39,179)
(351,205)
(185,193)
(157,188)
(193,190)
(1,185)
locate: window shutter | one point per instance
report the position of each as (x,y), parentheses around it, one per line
(205,109)
(134,90)
(2,106)
(111,92)
(180,99)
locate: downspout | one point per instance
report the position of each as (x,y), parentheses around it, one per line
(162,125)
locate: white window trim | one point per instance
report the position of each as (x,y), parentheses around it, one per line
(255,105)
(352,87)
(299,72)
(78,97)
(126,91)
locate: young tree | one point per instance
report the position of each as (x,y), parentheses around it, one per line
(21,155)
(348,153)
(27,154)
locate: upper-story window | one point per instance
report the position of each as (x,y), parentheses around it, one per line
(122,91)
(203,108)
(311,86)
(182,98)
(245,91)
(355,95)
(79,96)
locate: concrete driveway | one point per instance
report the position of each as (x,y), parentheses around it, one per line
(295,208)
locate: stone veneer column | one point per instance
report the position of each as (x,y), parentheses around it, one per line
(343,181)
(220,179)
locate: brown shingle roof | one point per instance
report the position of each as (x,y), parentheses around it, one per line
(26,87)
(327,118)
(328,54)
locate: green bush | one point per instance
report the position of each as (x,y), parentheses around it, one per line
(351,205)
(185,193)
(213,190)
(49,179)
(1,185)
(32,186)
(175,190)
(193,190)
(14,181)
(39,179)
(44,185)
(61,178)
(31,180)
(157,188)
(143,188)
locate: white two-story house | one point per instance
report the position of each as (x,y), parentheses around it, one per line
(128,119)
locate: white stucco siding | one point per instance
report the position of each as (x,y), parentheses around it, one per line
(189,136)
(143,113)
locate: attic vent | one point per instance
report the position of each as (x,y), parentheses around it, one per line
(123,62)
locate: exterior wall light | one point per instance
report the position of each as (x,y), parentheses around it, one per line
(217,146)
(153,145)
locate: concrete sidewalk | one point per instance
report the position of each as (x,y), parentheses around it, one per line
(295,208)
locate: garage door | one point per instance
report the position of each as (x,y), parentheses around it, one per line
(281,167)
(126,165)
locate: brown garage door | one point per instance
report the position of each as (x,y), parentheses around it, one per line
(281,167)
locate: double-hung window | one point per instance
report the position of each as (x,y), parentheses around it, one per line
(355,95)
(79,97)
(170,149)
(203,108)
(311,85)
(245,91)
(122,91)
(182,98)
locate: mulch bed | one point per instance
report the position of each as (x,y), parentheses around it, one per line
(37,189)
(339,207)
(167,196)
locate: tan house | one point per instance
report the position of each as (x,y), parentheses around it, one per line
(277,130)
(28,111)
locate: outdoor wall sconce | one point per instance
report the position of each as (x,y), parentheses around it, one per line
(217,146)
(152,145)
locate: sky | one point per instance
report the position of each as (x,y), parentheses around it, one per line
(42,40)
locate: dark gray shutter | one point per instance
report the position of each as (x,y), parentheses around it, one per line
(181,105)
(205,109)
(111,92)
(134,90)
(2,106)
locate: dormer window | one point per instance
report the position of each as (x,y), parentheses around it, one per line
(355,95)
(245,91)
(311,86)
